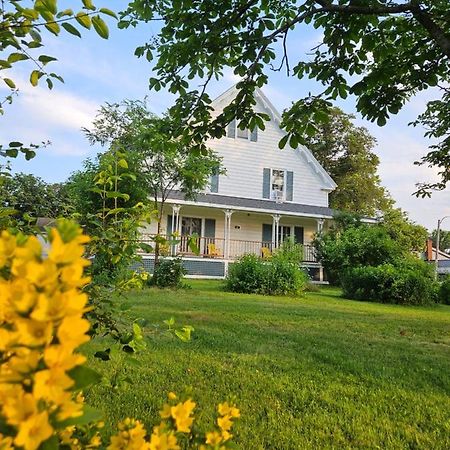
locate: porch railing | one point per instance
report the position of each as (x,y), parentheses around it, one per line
(217,248)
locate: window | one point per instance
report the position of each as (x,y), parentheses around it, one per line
(277,184)
(234,131)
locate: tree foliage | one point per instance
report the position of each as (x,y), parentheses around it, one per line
(379,51)
(345,151)
(444,239)
(28,194)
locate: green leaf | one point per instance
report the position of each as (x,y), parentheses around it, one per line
(84,20)
(12,152)
(10,83)
(15,144)
(34,77)
(283,142)
(108,12)
(44,59)
(29,154)
(50,5)
(100,27)
(90,415)
(123,163)
(53,27)
(83,377)
(14,57)
(50,444)
(71,29)
(89,5)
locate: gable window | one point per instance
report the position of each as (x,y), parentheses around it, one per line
(233,131)
(278,184)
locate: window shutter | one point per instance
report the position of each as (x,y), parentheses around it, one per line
(214,186)
(169,225)
(266,183)
(210,228)
(231,129)
(299,235)
(290,186)
(254,134)
(267,233)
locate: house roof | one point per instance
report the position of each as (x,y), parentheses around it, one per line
(255,205)
(230,93)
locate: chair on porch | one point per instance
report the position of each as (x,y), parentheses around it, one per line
(265,252)
(213,251)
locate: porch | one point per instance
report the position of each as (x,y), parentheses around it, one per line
(223,234)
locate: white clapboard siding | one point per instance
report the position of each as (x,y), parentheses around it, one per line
(244,162)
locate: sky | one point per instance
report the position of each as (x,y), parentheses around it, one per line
(98,71)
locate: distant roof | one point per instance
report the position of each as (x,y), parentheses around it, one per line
(246,204)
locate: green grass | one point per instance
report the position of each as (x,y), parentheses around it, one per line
(313,372)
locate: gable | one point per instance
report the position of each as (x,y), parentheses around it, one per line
(271,137)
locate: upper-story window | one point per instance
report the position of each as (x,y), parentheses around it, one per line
(234,131)
(278,184)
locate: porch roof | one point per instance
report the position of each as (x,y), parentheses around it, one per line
(255,205)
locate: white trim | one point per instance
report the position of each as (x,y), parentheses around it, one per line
(254,210)
(276,116)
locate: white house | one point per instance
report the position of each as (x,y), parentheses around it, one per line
(265,196)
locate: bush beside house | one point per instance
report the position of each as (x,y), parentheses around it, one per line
(279,275)
(370,265)
(444,291)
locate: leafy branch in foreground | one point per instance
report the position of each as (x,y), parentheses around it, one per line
(379,51)
(21,35)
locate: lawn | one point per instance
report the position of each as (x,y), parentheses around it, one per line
(313,372)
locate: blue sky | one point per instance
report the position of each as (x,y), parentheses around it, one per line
(98,71)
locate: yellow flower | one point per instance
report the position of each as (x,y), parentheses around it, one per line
(21,364)
(61,357)
(226,436)
(7,339)
(95,441)
(22,296)
(213,438)
(32,333)
(166,412)
(160,440)
(67,252)
(225,423)
(7,247)
(6,442)
(51,384)
(68,407)
(226,409)
(72,332)
(19,408)
(131,436)
(181,413)
(172,395)
(66,435)
(33,431)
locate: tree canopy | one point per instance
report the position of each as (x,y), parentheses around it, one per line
(379,51)
(345,151)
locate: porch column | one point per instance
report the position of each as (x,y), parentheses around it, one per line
(275,228)
(227,233)
(320,223)
(175,225)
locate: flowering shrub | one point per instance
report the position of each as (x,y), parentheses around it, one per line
(41,375)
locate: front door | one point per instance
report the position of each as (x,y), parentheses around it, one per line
(189,226)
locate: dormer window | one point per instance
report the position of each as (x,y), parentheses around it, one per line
(234,131)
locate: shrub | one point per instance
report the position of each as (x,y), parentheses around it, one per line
(444,291)
(356,247)
(407,282)
(281,275)
(169,273)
